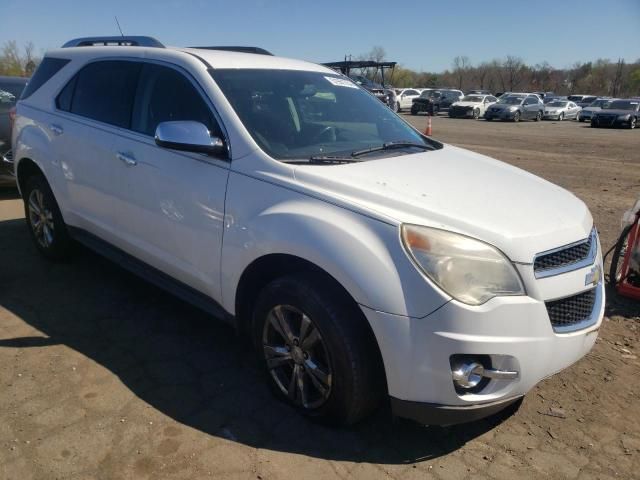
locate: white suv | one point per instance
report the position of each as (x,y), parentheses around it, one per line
(366,261)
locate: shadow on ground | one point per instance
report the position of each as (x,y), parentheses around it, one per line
(181,362)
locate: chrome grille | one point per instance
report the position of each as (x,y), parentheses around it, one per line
(569,311)
(563,257)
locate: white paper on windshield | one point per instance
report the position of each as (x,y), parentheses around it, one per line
(341,82)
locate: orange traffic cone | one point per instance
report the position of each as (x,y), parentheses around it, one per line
(428,131)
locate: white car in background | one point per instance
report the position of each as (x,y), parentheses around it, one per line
(471,106)
(365,262)
(405,97)
(561,110)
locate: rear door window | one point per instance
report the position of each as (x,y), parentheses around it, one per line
(103,91)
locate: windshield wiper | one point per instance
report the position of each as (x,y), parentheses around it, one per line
(390,146)
(331,159)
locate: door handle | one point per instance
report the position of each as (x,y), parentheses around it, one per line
(56,129)
(128,159)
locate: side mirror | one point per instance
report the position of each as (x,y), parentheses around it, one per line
(189,136)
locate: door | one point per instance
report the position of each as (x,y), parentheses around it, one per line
(171,203)
(406,99)
(531,107)
(92,109)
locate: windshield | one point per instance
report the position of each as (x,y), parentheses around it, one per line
(430,93)
(600,103)
(557,104)
(472,98)
(295,115)
(623,105)
(574,98)
(511,100)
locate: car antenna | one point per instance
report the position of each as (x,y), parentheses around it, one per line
(118,23)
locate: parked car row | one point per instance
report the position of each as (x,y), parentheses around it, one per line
(513,106)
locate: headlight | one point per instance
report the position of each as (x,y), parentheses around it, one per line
(624,116)
(469,270)
(513,109)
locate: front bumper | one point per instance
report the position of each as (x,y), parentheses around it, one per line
(461,112)
(432,414)
(551,116)
(616,122)
(513,333)
(501,115)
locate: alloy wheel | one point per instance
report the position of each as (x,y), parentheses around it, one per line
(41,218)
(296,357)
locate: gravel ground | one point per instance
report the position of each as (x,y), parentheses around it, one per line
(103,376)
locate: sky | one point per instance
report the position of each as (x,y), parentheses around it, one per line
(421,35)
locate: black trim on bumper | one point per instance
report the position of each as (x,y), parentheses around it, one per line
(435,414)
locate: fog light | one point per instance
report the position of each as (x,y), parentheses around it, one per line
(467,375)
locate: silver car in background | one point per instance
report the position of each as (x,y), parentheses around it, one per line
(595,106)
(561,110)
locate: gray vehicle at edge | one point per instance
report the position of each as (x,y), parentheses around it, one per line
(10,90)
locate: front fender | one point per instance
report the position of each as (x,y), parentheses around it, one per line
(363,254)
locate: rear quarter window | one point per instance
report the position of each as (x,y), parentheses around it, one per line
(47,69)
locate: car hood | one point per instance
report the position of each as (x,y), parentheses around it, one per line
(591,109)
(503,106)
(458,190)
(615,112)
(467,104)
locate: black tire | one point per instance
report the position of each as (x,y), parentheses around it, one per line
(632,123)
(516,117)
(539,116)
(618,253)
(46,226)
(476,113)
(488,119)
(355,379)
(414,111)
(561,116)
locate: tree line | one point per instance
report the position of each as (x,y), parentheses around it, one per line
(509,74)
(600,77)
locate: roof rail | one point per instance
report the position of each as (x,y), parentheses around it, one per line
(256,50)
(128,41)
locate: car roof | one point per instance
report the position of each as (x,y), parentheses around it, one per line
(213,58)
(13,80)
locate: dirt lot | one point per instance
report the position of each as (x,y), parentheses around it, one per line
(103,376)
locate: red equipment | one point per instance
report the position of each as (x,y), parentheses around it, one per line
(625,263)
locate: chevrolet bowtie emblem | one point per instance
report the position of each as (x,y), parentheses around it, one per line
(593,277)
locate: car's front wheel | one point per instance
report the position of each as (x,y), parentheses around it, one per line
(538,116)
(44,219)
(476,113)
(561,117)
(516,117)
(632,123)
(317,349)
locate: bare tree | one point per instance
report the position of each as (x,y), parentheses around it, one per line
(513,71)
(461,66)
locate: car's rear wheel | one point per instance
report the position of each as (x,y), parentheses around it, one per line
(317,349)
(44,219)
